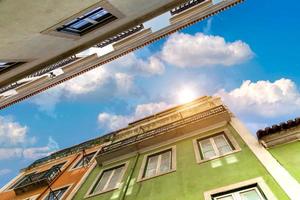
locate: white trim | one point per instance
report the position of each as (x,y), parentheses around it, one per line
(82,181)
(144,162)
(58,188)
(11,182)
(228,136)
(72,168)
(118,186)
(281,176)
(259,181)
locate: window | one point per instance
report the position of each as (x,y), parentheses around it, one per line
(5,65)
(214,147)
(60,165)
(109,180)
(21,180)
(159,163)
(84,160)
(56,194)
(87,22)
(252,193)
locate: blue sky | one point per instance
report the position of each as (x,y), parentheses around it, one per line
(248,55)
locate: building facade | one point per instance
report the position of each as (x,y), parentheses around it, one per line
(54,177)
(282,141)
(195,151)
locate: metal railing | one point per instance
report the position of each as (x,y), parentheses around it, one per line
(146,135)
(185,6)
(120,36)
(38,179)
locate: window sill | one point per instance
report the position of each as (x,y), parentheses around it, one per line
(147,178)
(217,157)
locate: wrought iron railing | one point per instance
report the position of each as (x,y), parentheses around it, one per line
(37,180)
(185,6)
(120,36)
(41,72)
(146,135)
(54,66)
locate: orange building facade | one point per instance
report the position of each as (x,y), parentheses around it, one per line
(57,176)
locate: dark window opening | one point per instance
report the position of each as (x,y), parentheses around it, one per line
(87,22)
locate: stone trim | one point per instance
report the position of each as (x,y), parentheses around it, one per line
(87,195)
(259,181)
(60,187)
(289,185)
(229,136)
(143,166)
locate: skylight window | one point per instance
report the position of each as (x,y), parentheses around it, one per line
(87,22)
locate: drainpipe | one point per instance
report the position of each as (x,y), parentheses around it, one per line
(122,197)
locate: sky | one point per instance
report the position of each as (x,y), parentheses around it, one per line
(247,55)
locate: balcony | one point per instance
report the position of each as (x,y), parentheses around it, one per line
(37,180)
(168,131)
(189,4)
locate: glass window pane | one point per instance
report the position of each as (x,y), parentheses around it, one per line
(250,195)
(115,178)
(207,149)
(222,144)
(165,164)
(151,166)
(96,16)
(101,184)
(57,194)
(228,197)
(81,24)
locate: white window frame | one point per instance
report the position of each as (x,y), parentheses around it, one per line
(145,159)
(228,138)
(75,163)
(89,192)
(237,194)
(58,188)
(259,182)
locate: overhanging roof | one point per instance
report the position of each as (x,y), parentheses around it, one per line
(28,38)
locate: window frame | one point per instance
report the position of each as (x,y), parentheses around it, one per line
(143,167)
(258,183)
(73,167)
(67,28)
(229,139)
(59,188)
(99,176)
(103,4)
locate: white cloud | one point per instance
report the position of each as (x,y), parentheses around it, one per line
(264,98)
(15,142)
(113,122)
(115,79)
(28,152)
(11,132)
(199,50)
(5,171)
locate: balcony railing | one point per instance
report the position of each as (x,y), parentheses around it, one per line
(155,132)
(120,36)
(37,180)
(185,6)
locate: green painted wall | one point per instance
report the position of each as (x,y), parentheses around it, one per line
(288,155)
(190,180)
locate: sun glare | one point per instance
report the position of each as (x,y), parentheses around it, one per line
(185,95)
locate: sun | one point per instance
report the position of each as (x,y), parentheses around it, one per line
(186,94)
